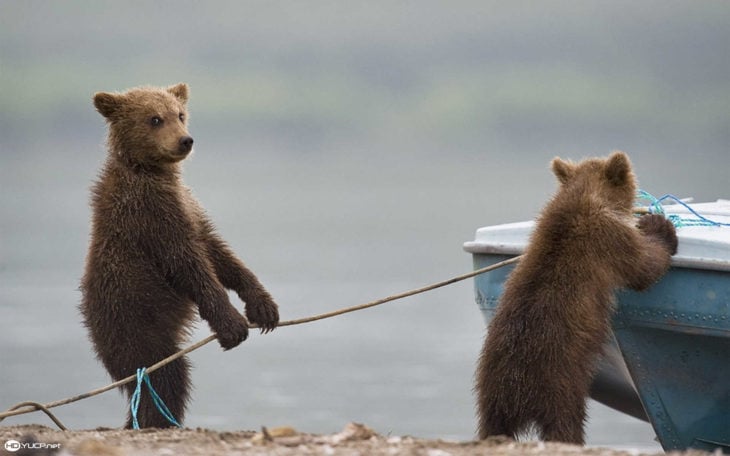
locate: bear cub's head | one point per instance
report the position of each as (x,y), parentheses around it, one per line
(609,179)
(147,125)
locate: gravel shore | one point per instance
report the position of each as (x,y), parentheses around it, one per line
(354,439)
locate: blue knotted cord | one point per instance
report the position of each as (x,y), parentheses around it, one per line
(656,208)
(159,403)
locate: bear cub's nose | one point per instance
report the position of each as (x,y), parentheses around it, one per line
(186,144)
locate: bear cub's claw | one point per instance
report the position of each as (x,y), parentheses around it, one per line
(232,331)
(264,312)
(657,225)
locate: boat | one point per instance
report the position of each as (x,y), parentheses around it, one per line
(668,359)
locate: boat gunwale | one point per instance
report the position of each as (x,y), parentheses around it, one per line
(705,264)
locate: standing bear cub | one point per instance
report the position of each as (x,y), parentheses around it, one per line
(542,345)
(154,256)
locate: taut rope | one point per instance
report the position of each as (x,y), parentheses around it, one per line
(28,407)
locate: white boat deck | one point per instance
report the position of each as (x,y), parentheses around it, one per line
(700,247)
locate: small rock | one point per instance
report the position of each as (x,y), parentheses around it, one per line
(437,452)
(268,435)
(353,431)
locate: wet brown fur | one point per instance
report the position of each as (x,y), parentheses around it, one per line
(154,256)
(538,359)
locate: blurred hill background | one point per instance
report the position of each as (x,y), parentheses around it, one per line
(457,78)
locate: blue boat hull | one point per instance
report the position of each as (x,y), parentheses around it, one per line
(675,341)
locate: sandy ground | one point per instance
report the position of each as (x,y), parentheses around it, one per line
(354,439)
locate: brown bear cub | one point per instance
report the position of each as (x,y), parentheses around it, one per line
(542,345)
(154,256)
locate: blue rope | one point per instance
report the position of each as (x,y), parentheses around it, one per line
(656,208)
(159,403)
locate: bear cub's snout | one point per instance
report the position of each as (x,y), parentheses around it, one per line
(185,144)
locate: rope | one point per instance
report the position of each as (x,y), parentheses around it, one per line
(29,407)
(42,408)
(656,208)
(142,377)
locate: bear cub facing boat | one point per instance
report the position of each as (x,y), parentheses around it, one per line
(539,356)
(154,256)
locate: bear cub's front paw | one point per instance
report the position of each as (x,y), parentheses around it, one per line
(264,312)
(657,225)
(232,330)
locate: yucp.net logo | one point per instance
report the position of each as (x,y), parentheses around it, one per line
(13,446)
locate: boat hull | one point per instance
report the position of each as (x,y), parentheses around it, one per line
(675,342)
(671,343)
(675,339)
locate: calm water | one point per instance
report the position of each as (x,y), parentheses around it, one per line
(338,232)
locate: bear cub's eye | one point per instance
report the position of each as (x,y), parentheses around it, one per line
(155,121)
(181,116)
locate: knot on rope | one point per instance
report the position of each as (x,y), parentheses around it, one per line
(143,377)
(655,207)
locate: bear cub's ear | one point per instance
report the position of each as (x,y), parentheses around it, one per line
(563,170)
(107,103)
(180,91)
(618,168)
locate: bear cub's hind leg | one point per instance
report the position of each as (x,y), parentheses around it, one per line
(566,424)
